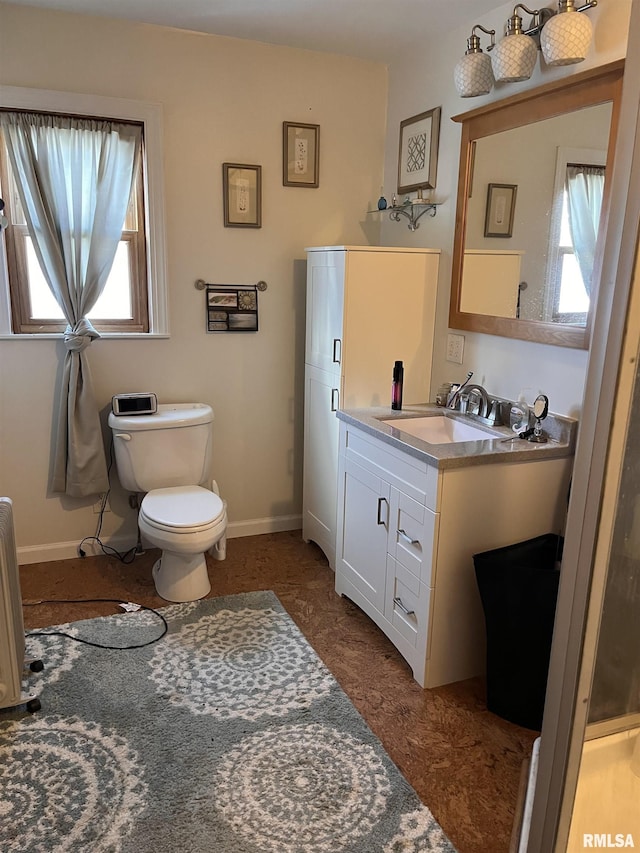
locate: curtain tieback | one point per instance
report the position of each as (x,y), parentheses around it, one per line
(78,337)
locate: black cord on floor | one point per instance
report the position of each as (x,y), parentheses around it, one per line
(89,642)
(128,556)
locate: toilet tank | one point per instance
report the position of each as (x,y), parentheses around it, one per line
(172,447)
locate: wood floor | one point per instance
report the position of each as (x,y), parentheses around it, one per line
(464,762)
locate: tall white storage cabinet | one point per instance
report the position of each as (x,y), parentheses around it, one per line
(367,307)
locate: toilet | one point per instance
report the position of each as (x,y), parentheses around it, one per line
(167,456)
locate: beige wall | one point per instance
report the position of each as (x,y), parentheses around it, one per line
(223,100)
(420,81)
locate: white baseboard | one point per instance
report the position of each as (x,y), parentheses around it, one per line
(66,550)
(258,526)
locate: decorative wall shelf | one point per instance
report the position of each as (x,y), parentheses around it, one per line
(412,212)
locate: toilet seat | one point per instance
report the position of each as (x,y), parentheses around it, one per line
(182,509)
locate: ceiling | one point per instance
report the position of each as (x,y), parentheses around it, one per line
(368,29)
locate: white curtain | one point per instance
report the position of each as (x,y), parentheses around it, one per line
(585,187)
(74,179)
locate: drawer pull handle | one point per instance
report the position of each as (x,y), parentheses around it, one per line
(335,395)
(407,537)
(337,350)
(380,520)
(398,602)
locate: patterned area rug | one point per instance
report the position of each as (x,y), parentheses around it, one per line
(229,735)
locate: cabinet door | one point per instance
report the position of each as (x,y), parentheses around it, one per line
(325,304)
(390,300)
(362,549)
(321,429)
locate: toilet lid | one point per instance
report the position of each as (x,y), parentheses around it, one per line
(182,506)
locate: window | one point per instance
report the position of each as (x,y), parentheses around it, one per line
(567,293)
(122,306)
(571,300)
(134,298)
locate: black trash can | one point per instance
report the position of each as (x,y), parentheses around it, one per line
(518,587)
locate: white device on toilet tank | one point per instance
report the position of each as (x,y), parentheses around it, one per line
(167,455)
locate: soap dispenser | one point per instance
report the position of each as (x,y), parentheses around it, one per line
(519,413)
(519,416)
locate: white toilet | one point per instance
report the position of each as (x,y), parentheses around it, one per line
(167,455)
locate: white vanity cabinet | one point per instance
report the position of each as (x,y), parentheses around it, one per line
(406,535)
(367,307)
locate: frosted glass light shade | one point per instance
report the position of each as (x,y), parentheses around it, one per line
(514,58)
(565,38)
(473,75)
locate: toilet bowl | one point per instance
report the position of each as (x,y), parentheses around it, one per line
(185,522)
(166,456)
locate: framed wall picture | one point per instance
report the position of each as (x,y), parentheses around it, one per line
(418,154)
(501,205)
(300,154)
(232,308)
(242,195)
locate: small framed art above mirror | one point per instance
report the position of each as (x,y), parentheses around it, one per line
(532,208)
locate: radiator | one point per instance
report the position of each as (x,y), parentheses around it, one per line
(12,648)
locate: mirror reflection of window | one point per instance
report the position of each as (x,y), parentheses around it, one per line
(573,232)
(581,206)
(571,295)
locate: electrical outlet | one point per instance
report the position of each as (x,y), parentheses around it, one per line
(455,348)
(97,507)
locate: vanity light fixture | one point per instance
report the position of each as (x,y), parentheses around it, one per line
(515,55)
(473,75)
(566,37)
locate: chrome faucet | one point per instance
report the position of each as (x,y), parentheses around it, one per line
(489,409)
(484,403)
(452,399)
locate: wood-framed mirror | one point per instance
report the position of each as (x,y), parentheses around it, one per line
(532,199)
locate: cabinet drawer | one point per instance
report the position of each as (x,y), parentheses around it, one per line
(406,603)
(413,534)
(405,472)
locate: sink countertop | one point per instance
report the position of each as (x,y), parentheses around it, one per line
(561,431)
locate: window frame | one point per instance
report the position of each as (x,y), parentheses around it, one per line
(150,116)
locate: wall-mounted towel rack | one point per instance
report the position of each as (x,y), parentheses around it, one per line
(231,307)
(200,284)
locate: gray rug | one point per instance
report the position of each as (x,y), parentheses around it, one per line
(229,735)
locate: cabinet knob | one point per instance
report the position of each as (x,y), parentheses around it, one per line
(398,602)
(406,536)
(335,396)
(337,350)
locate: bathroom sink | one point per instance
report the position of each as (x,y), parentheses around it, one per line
(440,429)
